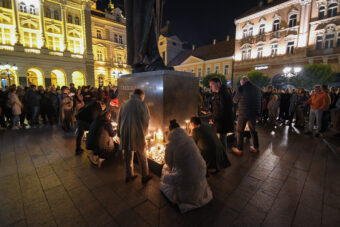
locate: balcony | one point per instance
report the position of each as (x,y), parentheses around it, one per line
(260,38)
(312,52)
(247,40)
(275,35)
(292,31)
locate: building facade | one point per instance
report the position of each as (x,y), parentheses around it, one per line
(282,36)
(213,58)
(48,40)
(109,45)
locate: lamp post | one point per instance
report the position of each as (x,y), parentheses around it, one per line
(289,72)
(8,71)
(232,72)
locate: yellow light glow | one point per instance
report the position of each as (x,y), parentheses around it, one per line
(78,79)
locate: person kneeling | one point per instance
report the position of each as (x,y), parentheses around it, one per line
(183,179)
(100,139)
(210,146)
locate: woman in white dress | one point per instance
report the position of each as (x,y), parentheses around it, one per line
(183,179)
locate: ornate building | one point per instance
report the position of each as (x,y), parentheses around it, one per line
(213,58)
(282,36)
(48,40)
(109,45)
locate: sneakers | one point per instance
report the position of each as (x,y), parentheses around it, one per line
(253,150)
(236,151)
(146,179)
(127,179)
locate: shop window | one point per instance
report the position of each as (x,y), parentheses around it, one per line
(69,19)
(329,41)
(292,20)
(318,45)
(290,47)
(276,25)
(332,10)
(261,29)
(322,12)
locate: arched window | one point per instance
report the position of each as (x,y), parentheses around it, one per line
(262,29)
(329,41)
(259,52)
(292,20)
(22,7)
(48,13)
(56,15)
(32,9)
(99,55)
(276,25)
(322,10)
(245,33)
(250,32)
(332,10)
(69,19)
(76,21)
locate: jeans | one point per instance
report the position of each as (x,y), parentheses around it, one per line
(142,160)
(15,120)
(35,115)
(315,115)
(241,124)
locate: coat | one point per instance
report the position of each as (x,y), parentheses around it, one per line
(16,104)
(133,123)
(183,178)
(210,147)
(319,101)
(99,138)
(222,111)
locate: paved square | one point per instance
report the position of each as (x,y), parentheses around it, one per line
(295,181)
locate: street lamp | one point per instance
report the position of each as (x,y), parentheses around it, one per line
(7,68)
(291,71)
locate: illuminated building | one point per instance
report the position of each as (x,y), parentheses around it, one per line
(109,45)
(286,34)
(214,58)
(49,41)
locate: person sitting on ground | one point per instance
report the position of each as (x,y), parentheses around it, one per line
(209,145)
(100,139)
(183,179)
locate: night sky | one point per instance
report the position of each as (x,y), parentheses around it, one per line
(199,22)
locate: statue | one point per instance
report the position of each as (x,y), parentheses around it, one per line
(143,22)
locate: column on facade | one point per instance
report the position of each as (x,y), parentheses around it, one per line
(15,12)
(86,21)
(63,13)
(304,22)
(42,24)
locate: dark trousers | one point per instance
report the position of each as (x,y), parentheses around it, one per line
(241,124)
(68,121)
(82,126)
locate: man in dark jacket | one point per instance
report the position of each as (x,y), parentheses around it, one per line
(248,97)
(222,110)
(33,102)
(85,117)
(209,145)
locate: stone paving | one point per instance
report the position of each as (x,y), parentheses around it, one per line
(294,181)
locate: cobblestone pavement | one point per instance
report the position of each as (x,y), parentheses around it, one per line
(294,181)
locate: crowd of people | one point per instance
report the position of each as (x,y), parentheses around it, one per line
(189,158)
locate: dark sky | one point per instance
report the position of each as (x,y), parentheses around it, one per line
(197,21)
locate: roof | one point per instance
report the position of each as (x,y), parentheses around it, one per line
(260,8)
(208,52)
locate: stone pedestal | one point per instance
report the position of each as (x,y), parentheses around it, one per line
(169,95)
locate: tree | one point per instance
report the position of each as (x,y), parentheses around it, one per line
(258,78)
(208,77)
(313,74)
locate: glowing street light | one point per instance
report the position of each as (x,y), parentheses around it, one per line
(291,71)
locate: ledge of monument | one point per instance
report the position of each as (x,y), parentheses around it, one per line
(160,73)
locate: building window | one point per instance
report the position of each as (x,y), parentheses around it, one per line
(119,58)
(292,20)
(332,10)
(217,69)
(276,25)
(53,43)
(318,45)
(199,72)
(121,39)
(32,9)
(226,69)
(321,12)
(6,4)
(274,50)
(290,47)
(48,13)
(30,39)
(338,40)
(329,41)
(259,52)
(56,15)
(261,29)
(5,35)
(208,70)
(76,21)
(173,43)
(250,32)
(99,34)
(246,53)
(22,7)
(116,38)
(99,55)
(245,33)
(69,19)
